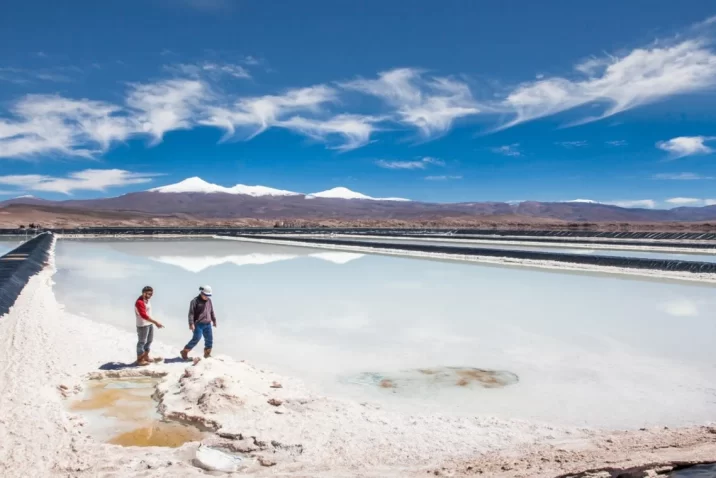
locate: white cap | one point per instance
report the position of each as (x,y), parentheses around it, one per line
(206,290)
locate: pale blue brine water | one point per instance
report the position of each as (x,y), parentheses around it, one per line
(577,348)
(7,244)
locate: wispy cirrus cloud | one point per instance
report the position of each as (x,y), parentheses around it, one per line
(257,114)
(353,131)
(168,105)
(422,163)
(20,76)
(572,144)
(442,178)
(681,176)
(682,201)
(430,104)
(620,82)
(508,150)
(683,146)
(410,97)
(207,68)
(48,124)
(86,180)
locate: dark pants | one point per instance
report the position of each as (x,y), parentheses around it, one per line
(199,330)
(145,335)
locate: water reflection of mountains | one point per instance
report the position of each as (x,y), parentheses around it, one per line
(198,255)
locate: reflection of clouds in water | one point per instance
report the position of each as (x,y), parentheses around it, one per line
(100,267)
(681,307)
(337,257)
(198,264)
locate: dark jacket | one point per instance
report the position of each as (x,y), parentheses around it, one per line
(201,311)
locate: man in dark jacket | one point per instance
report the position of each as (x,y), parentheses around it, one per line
(201,320)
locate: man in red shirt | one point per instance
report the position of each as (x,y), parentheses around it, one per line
(145,325)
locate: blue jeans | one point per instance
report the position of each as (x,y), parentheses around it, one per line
(199,330)
(145,336)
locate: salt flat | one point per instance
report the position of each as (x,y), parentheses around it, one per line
(298,429)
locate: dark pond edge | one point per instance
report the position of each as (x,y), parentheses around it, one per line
(661,469)
(604,261)
(389,231)
(18,265)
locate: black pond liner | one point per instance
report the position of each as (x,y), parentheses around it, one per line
(406,232)
(611,261)
(555,240)
(18,265)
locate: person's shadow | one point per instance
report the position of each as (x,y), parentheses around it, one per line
(123,366)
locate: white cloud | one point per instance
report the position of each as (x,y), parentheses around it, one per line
(508,150)
(354,130)
(684,201)
(686,146)
(572,144)
(53,124)
(693,202)
(442,178)
(262,112)
(681,176)
(586,201)
(210,69)
(417,164)
(20,76)
(618,142)
(637,203)
(429,104)
(87,180)
(168,105)
(620,83)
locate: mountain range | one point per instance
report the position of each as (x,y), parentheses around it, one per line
(196,199)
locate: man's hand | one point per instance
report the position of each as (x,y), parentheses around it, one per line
(158,324)
(214,322)
(191,327)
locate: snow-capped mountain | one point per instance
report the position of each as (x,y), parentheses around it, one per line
(198,185)
(191,185)
(345,193)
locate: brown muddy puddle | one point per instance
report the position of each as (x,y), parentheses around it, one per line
(124,412)
(437,377)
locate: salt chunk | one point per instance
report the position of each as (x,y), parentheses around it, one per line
(211,459)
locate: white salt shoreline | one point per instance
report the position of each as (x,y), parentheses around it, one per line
(503,261)
(46,354)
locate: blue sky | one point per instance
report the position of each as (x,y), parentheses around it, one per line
(440,101)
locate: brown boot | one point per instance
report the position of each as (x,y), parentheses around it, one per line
(207,353)
(142,359)
(185,354)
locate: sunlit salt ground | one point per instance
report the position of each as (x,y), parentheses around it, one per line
(568,348)
(676,256)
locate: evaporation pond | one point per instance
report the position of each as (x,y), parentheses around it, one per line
(123,412)
(580,349)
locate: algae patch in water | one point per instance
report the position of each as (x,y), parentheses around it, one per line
(123,412)
(437,378)
(158,434)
